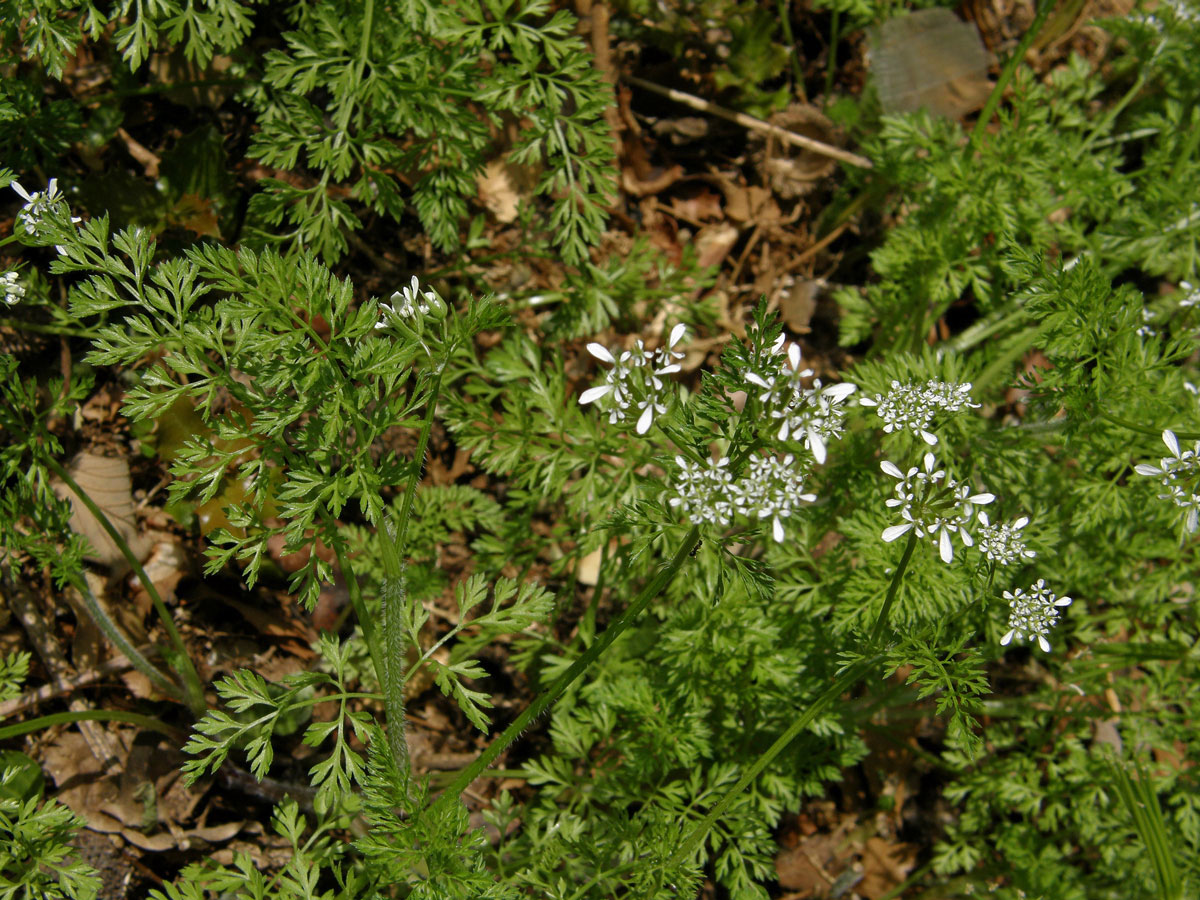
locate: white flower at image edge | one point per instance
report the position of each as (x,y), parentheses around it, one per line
(1032,615)
(12,289)
(38,204)
(1169,470)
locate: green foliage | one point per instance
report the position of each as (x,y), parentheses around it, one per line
(36,859)
(695,706)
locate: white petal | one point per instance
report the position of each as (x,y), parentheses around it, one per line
(930,462)
(890,468)
(1020,523)
(1145,469)
(20,190)
(793,354)
(1172,443)
(929,437)
(817,445)
(1193,520)
(1043,643)
(777,531)
(867,401)
(591,395)
(600,352)
(981,498)
(1004,641)
(668,370)
(756,379)
(677,334)
(840,392)
(945,548)
(646,420)
(894,531)
(1063,601)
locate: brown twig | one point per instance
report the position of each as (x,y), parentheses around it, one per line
(789,137)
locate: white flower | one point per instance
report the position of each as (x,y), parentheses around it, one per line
(771,489)
(1002,543)
(704,493)
(1032,615)
(1180,465)
(411,303)
(635,379)
(936,506)
(1191,296)
(13,290)
(37,205)
(1145,330)
(911,408)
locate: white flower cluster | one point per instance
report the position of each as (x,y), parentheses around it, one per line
(1002,543)
(771,488)
(1180,465)
(937,506)
(411,303)
(703,492)
(634,381)
(1191,295)
(812,414)
(911,407)
(12,289)
(37,205)
(1032,615)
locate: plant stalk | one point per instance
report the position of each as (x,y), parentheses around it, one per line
(193,689)
(881,622)
(846,680)
(543,701)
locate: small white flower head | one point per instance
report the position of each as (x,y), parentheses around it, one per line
(1145,330)
(38,205)
(937,506)
(816,415)
(911,408)
(771,488)
(1032,615)
(1002,543)
(13,290)
(635,379)
(780,381)
(704,492)
(1179,473)
(1191,295)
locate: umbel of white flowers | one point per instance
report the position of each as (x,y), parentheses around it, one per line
(411,303)
(771,488)
(635,379)
(813,414)
(1032,615)
(937,506)
(37,206)
(12,289)
(1179,475)
(911,408)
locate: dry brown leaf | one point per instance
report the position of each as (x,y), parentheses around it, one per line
(885,865)
(930,58)
(106,480)
(497,191)
(713,243)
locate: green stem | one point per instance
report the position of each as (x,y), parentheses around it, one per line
(881,622)
(365,622)
(106,624)
(414,477)
(148,723)
(22,325)
(847,679)
(193,689)
(1010,69)
(1145,429)
(785,19)
(543,701)
(831,62)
